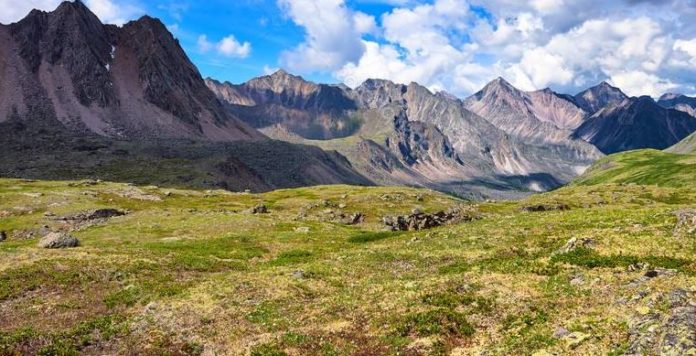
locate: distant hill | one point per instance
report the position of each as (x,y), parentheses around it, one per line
(645,167)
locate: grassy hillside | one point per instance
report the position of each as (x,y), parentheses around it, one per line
(648,167)
(688,145)
(188,272)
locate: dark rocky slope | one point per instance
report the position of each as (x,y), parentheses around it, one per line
(634,124)
(129,82)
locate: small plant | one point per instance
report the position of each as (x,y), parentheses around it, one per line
(436,322)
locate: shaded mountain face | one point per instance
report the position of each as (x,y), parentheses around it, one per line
(599,97)
(634,124)
(129,82)
(313,111)
(679,102)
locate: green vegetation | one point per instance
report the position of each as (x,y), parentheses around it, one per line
(193,272)
(645,167)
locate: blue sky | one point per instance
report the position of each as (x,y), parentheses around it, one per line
(646,47)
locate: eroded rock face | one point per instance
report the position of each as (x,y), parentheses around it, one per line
(422,221)
(57,240)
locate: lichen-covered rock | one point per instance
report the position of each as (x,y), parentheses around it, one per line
(670,332)
(576,243)
(421,221)
(97,214)
(259,209)
(58,240)
(545,207)
(686,222)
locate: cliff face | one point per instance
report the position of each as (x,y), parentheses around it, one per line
(129,82)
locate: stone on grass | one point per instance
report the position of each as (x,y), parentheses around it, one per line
(58,240)
(259,209)
(576,243)
(686,222)
(3,236)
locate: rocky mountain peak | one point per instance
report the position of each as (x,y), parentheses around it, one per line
(671,96)
(599,96)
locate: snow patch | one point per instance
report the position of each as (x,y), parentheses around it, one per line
(113,52)
(535,187)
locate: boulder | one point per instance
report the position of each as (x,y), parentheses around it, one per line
(98,214)
(259,209)
(3,236)
(58,240)
(354,219)
(421,221)
(545,207)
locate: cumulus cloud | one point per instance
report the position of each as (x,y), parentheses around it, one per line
(228,47)
(333,34)
(644,47)
(107,10)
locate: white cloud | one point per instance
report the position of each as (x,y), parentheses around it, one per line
(107,10)
(333,35)
(15,10)
(110,12)
(637,83)
(565,44)
(228,47)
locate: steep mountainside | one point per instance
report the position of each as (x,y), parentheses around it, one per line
(128,82)
(636,123)
(313,111)
(599,97)
(679,102)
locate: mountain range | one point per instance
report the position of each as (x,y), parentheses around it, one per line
(77,93)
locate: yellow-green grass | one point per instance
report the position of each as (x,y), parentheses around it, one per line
(195,272)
